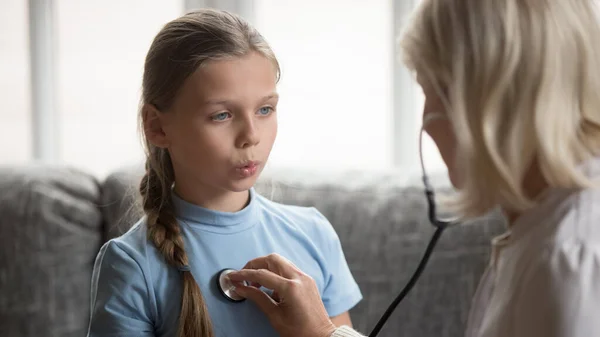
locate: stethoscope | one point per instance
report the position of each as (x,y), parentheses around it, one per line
(227,289)
(439,224)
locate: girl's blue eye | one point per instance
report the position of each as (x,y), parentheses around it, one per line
(265,110)
(220,116)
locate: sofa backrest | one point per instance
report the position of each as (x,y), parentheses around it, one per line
(50,233)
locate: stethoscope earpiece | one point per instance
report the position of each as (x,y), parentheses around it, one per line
(226,288)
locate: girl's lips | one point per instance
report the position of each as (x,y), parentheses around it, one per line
(247,170)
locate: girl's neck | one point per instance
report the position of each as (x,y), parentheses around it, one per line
(212,198)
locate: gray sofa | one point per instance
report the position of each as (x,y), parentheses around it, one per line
(53,220)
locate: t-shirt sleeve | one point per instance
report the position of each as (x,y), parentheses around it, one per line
(341,292)
(560,294)
(120,301)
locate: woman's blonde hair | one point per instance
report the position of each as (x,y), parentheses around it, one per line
(521,84)
(182,46)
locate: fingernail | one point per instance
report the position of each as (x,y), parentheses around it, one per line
(234,276)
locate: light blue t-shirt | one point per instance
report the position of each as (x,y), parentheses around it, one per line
(136,293)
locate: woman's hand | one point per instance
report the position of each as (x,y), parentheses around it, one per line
(295,308)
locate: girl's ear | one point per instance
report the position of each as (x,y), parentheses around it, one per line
(154,126)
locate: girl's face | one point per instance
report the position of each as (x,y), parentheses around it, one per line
(222,126)
(440,129)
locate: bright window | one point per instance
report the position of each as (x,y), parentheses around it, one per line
(337,97)
(336,94)
(102,46)
(15,117)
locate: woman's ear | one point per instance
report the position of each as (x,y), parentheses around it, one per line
(153,126)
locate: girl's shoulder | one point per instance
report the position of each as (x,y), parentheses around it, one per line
(132,246)
(307,219)
(134,240)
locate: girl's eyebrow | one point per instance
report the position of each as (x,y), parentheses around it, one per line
(226,101)
(271,96)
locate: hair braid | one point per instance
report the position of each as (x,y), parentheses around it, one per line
(165,233)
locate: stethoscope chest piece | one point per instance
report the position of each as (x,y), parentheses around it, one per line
(226,288)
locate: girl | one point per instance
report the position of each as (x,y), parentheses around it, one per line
(517,84)
(209,121)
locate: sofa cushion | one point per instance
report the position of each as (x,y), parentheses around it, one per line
(50,233)
(382,224)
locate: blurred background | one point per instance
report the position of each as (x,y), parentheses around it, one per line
(70,77)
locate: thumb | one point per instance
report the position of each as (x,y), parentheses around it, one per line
(262,300)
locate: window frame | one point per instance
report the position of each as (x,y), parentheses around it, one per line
(43,66)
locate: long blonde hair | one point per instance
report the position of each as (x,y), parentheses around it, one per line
(521,82)
(182,46)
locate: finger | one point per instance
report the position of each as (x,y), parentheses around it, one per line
(264,277)
(262,300)
(241,283)
(238,284)
(275,263)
